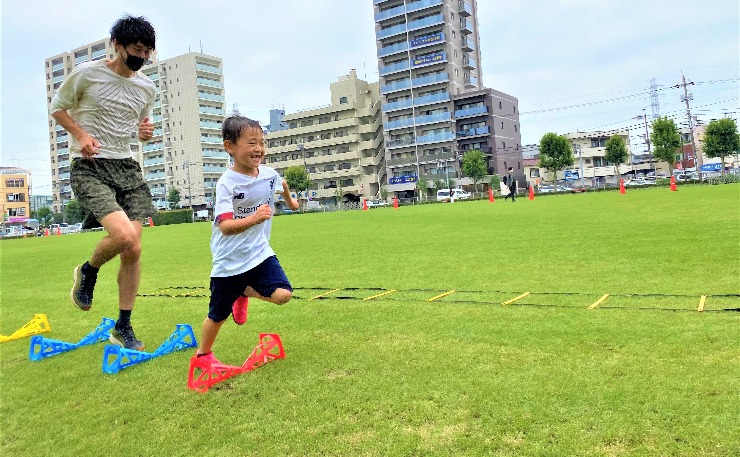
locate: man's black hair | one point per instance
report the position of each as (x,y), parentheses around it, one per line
(131,30)
(234,126)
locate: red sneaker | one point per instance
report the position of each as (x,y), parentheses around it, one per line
(239,310)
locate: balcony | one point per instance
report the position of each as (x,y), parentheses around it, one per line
(474,111)
(63,176)
(62,151)
(210,96)
(391,31)
(467,45)
(478,131)
(155,161)
(62,138)
(98,54)
(469,63)
(153,77)
(157,191)
(400,143)
(434,98)
(395,67)
(430,79)
(153,147)
(471,82)
(211,139)
(157,118)
(210,110)
(400,104)
(57,66)
(209,82)
(158,132)
(57,79)
(208,68)
(211,125)
(80,59)
(433,118)
(213,169)
(392,125)
(426,22)
(393,49)
(396,86)
(466,26)
(464,9)
(63,164)
(429,59)
(435,38)
(401,161)
(421,4)
(154,176)
(435,138)
(211,154)
(389,13)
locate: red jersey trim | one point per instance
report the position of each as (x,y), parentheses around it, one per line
(224,216)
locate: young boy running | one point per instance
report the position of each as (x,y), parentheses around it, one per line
(244,264)
(102,104)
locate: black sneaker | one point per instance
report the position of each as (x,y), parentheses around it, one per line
(82,291)
(125,337)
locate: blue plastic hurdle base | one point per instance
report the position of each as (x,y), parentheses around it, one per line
(45,347)
(116,358)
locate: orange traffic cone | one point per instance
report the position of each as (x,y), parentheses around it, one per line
(395,201)
(46,231)
(490,195)
(151,222)
(673,184)
(621,187)
(531,192)
(364,204)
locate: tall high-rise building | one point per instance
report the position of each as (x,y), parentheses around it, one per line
(340,145)
(57,68)
(186,152)
(434,104)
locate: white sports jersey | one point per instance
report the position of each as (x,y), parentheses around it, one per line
(106,105)
(238,196)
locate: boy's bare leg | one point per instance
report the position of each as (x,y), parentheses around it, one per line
(208,335)
(279,297)
(124,238)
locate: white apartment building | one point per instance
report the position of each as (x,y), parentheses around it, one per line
(340,145)
(186,151)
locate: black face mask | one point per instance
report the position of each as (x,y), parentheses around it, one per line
(134,63)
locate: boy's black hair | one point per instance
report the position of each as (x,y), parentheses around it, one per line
(234,126)
(131,30)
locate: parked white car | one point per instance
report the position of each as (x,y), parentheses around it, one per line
(376,203)
(445,195)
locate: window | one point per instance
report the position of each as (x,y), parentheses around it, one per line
(534,172)
(500,106)
(503,145)
(502,124)
(516,129)
(328,167)
(345,166)
(348,182)
(342,100)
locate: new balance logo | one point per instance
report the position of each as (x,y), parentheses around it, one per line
(239,196)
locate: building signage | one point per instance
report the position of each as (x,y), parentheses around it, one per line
(402,180)
(571,175)
(431,58)
(434,38)
(711,167)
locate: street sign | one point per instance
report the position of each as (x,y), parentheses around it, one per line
(711,167)
(571,175)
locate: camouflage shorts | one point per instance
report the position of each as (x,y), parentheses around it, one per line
(104,186)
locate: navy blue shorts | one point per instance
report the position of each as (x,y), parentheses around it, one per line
(265,278)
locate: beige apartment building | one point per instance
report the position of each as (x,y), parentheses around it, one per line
(57,68)
(340,145)
(186,151)
(15,191)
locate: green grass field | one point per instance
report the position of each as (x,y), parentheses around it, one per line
(642,374)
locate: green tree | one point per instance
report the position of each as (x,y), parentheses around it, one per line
(44,215)
(73,211)
(439,185)
(173,197)
(666,140)
(298,180)
(495,183)
(616,152)
(556,153)
(474,166)
(421,186)
(721,139)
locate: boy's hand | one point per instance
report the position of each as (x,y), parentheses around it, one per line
(292,202)
(262,214)
(146,130)
(88,145)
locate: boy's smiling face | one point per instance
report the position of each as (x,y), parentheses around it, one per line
(248,151)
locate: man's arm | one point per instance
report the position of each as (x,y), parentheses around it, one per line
(88,145)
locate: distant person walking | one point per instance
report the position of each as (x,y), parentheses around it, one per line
(511,184)
(103,104)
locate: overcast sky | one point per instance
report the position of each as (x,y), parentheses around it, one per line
(573,64)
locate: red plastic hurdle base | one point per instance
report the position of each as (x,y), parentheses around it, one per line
(204,373)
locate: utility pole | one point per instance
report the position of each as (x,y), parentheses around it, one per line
(186,164)
(687,97)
